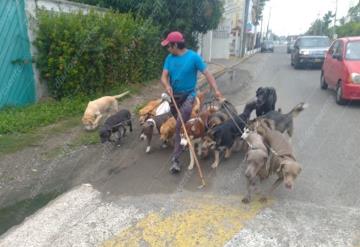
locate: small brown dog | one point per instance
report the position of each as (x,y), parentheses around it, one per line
(282,159)
(99,108)
(148,110)
(167,130)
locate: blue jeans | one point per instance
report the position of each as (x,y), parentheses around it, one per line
(185,104)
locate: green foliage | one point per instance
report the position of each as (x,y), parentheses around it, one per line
(188,16)
(354,13)
(259,10)
(322,26)
(23,120)
(82,54)
(349,29)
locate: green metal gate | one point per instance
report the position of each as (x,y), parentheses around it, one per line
(17,86)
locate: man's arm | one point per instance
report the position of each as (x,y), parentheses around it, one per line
(212,82)
(165,82)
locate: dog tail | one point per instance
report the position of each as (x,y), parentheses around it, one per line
(121,95)
(298,108)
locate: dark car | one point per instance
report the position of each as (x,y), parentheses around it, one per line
(290,46)
(309,50)
(267,45)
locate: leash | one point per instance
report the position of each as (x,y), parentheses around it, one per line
(237,126)
(190,144)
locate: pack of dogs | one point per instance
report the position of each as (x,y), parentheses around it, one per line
(214,129)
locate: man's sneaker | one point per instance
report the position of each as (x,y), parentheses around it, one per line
(175,167)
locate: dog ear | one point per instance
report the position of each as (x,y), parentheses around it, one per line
(281,166)
(258,91)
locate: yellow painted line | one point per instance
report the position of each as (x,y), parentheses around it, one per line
(207,223)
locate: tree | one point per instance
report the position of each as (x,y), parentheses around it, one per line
(354,13)
(259,7)
(321,26)
(188,16)
(327,19)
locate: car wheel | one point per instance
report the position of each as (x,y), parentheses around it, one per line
(297,65)
(323,84)
(339,95)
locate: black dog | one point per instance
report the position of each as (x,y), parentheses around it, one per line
(265,101)
(285,122)
(224,136)
(115,123)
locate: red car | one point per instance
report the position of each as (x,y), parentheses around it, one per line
(341,69)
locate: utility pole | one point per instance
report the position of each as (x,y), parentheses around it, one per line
(334,31)
(261,29)
(247,4)
(267,30)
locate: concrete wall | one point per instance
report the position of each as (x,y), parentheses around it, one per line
(54,5)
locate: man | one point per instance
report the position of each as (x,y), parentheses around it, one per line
(179,78)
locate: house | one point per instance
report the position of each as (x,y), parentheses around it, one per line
(225,40)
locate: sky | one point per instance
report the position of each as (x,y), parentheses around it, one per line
(295,16)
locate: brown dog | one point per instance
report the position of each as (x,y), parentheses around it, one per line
(282,159)
(167,130)
(99,108)
(256,158)
(148,110)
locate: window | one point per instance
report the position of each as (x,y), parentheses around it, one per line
(314,42)
(353,51)
(333,47)
(339,48)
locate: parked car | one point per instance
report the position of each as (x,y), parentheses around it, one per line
(309,50)
(290,46)
(267,45)
(341,69)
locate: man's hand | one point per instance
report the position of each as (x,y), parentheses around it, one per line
(218,95)
(169,91)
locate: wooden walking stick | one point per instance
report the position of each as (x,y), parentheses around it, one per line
(190,144)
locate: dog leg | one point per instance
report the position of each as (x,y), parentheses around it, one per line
(130,125)
(217,159)
(148,148)
(227,153)
(164,144)
(250,186)
(273,187)
(191,165)
(124,133)
(97,120)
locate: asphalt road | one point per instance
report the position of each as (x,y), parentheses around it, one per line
(134,201)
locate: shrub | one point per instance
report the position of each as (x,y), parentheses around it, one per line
(83,54)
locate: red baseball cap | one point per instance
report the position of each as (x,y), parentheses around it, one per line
(173,37)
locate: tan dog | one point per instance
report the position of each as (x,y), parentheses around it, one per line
(148,110)
(282,159)
(99,108)
(167,130)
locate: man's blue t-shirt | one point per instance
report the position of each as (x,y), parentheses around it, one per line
(183,71)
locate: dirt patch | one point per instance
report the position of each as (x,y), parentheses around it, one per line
(45,159)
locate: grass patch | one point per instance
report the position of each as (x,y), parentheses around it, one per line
(27,126)
(86,138)
(14,142)
(32,117)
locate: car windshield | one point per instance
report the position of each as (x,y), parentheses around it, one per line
(314,42)
(353,50)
